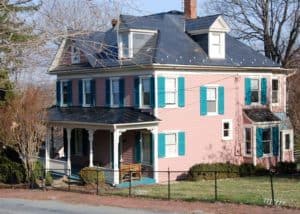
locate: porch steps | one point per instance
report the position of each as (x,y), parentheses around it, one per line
(143,181)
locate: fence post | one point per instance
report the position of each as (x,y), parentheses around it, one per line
(130,183)
(97,181)
(216,187)
(272,188)
(169,184)
(69,180)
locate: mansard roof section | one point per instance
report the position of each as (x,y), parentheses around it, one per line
(170,45)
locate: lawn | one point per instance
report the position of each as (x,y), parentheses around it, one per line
(250,190)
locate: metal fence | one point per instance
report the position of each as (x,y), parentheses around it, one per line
(269,189)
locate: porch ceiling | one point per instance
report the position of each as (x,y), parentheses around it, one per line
(258,115)
(99,115)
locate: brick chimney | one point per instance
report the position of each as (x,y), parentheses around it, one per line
(190,9)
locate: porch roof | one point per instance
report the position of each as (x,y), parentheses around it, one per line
(99,115)
(258,115)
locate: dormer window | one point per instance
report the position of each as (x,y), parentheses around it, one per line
(75,55)
(216,45)
(132,41)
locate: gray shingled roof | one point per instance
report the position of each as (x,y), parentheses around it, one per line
(171,45)
(101,115)
(261,115)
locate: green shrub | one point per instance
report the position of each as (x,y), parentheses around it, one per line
(246,169)
(286,167)
(48,179)
(89,175)
(260,170)
(11,172)
(207,171)
(38,170)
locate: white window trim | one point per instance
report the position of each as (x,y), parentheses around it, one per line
(176,133)
(62,93)
(244,140)
(289,132)
(259,91)
(130,41)
(111,92)
(217,100)
(83,93)
(230,136)
(222,45)
(141,91)
(278,92)
(72,55)
(271,144)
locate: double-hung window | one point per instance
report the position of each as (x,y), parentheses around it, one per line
(267,141)
(115,92)
(226,129)
(171,145)
(145,91)
(212,100)
(171,91)
(287,141)
(87,93)
(275,91)
(247,138)
(64,93)
(254,90)
(75,55)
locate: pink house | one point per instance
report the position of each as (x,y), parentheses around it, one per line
(167,90)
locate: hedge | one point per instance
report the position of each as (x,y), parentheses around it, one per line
(11,172)
(89,175)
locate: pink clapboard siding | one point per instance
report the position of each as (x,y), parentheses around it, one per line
(204,142)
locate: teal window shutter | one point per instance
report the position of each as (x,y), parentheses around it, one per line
(152,149)
(181,143)
(107,92)
(247,91)
(69,93)
(152,94)
(137,148)
(275,140)
(137,92)
(221,99)
(161,145)
(93,92)
(203,100)
(259,143)
(58,90)
(122,91)
(263,91)
(161,92)
(181,92)
(80,92)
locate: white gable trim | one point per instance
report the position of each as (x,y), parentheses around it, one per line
(58,55)
(219,25)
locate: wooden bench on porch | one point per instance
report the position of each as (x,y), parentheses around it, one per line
(135,169)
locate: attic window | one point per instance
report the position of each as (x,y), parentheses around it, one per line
(75,55)
(217,45)
(130,43)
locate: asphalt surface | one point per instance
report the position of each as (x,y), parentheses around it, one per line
(18,206)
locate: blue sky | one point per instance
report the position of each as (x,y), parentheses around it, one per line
(156,6)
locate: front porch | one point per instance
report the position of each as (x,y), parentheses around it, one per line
(113,146)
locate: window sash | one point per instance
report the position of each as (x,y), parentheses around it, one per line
(267,141)
(64,99)
(248,139)
(287,141)
(171,145)
(124,40)
(171,91)
(275,91)
(87,92)
(145,91)
(75,55)
(115,89)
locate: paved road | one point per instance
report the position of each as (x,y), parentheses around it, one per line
(20,206)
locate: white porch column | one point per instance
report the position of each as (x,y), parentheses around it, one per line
(154,133)
(116,139)
(47,150)
(254,145)
(91,140)
(69,151)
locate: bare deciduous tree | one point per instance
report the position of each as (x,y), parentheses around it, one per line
(22,124)
(276,23)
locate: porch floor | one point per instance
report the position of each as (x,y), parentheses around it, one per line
(143,181)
